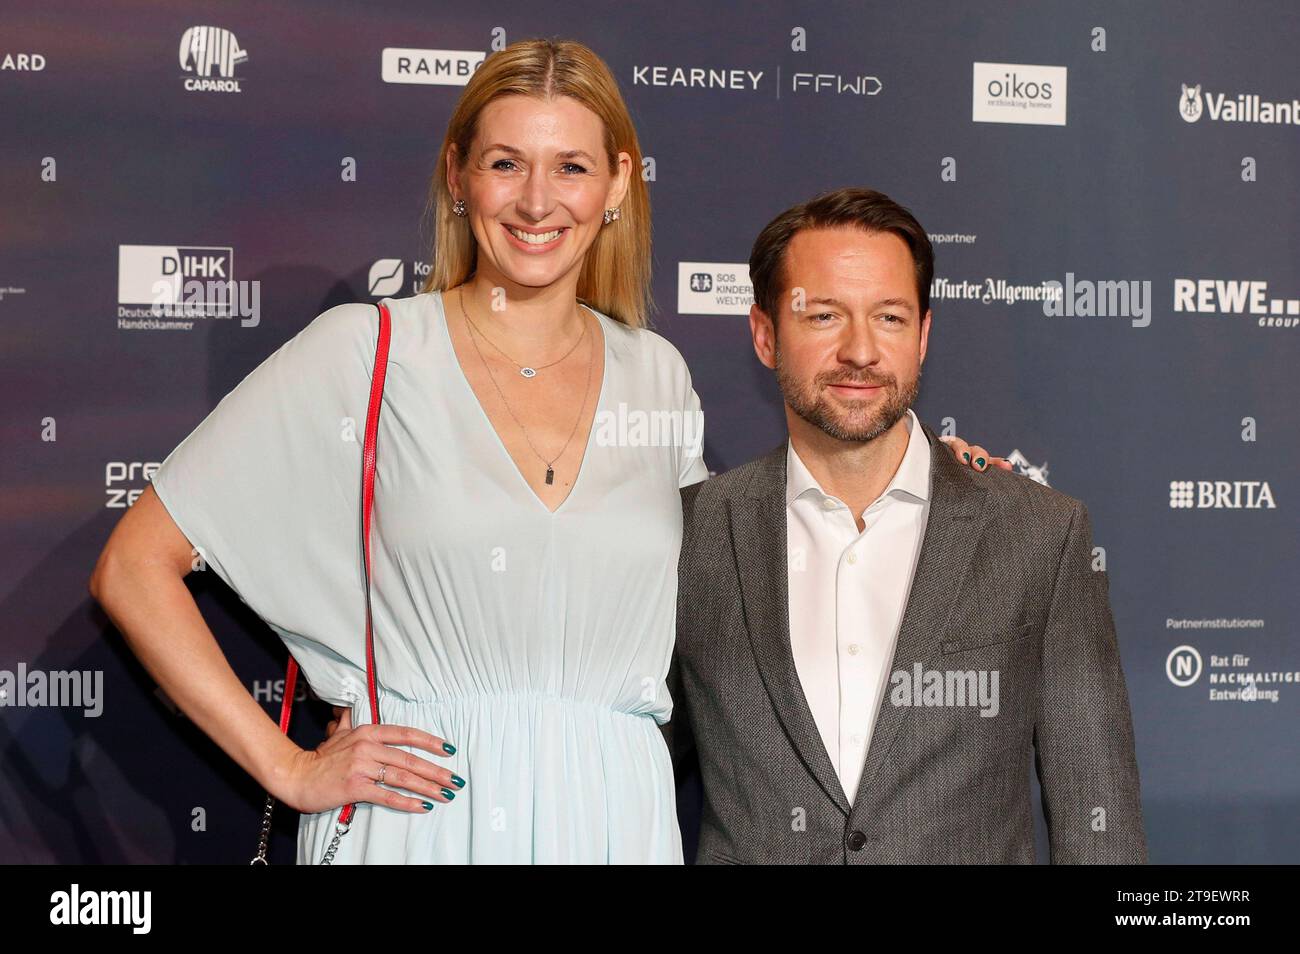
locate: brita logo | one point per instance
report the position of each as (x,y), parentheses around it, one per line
(1221,495)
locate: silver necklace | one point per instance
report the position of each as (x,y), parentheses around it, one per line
(525,370)
(550,468)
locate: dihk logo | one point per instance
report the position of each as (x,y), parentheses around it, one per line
(1220,495)
(1189,103)
(147,274)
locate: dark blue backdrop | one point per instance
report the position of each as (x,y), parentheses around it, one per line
(1149,163)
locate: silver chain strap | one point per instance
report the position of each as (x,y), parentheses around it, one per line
(339,832)
(264,839)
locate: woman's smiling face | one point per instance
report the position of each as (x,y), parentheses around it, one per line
(536,185)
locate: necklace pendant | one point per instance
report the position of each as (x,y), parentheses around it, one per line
(550,474)
(528,372)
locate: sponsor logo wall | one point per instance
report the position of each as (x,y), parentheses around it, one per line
(1115,218)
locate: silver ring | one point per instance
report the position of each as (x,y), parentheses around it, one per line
(382,770)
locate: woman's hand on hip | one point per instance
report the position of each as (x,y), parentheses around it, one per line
(346,766)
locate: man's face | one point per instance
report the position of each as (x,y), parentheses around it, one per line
(848,344)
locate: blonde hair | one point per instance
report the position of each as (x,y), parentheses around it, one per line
(615,275)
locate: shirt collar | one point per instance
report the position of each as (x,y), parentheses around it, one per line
(911,478)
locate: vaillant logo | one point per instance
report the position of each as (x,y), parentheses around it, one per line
(211,54)
(1241,108)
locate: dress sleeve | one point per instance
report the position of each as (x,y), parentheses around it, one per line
(692,468)
(268,488)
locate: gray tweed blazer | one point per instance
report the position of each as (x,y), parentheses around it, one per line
(1004,583)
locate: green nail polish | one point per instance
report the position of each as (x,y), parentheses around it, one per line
(428,806)
(458,781)
(448,794)
(449,748)
(979,462)
(965,455)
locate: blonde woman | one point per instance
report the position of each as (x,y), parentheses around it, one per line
(525,561)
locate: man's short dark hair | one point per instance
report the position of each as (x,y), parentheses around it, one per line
(865,209)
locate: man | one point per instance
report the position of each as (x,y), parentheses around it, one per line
(872,636)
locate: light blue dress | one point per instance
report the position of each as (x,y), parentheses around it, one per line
(536,643)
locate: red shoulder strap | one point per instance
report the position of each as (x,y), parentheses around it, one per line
(368,458)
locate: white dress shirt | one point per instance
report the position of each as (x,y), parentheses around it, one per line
(848,591)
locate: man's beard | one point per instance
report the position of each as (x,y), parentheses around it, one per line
(856,424)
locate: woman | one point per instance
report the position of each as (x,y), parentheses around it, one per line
(525,573)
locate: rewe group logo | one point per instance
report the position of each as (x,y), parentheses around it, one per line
(1217,296)
(208,51)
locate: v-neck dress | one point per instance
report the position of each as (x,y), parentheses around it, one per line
(537,643)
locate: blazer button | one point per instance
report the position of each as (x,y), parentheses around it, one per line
(856,841)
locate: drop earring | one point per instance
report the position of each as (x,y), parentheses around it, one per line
(459,207)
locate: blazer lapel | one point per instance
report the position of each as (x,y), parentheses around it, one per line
(758,536)
(956,520)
